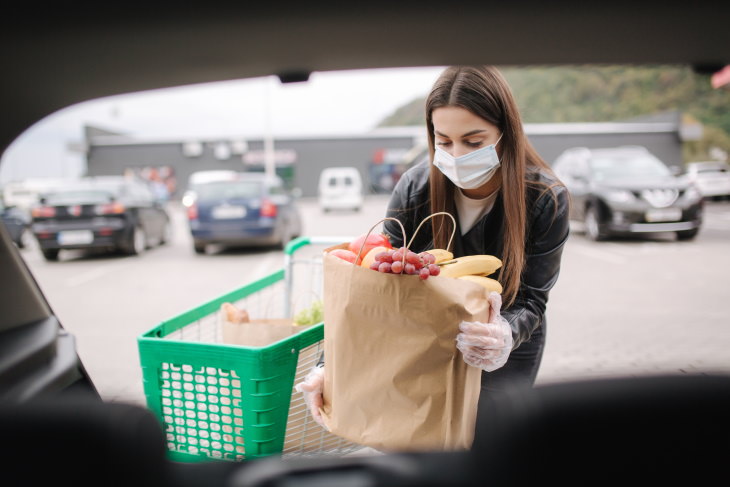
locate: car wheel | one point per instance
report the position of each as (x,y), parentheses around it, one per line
(199,247)
(286,235)
(593,226)
(688,234)
(50,254)
(166,233)
(21,239)
(137,242)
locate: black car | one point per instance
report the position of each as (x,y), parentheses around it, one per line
(628,190)
(15,222)
(245,209)
(107,213)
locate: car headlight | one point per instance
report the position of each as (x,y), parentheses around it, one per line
(692,194)
(619,196)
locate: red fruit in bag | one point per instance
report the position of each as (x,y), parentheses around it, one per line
(368,242)
(344,254)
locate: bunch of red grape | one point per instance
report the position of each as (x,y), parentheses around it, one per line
(391,261)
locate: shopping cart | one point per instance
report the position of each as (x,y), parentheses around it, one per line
(222,401)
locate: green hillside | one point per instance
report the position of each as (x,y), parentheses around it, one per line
(610,93)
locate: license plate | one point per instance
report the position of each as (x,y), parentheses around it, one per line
(663,215)
(75,237)
(228,212)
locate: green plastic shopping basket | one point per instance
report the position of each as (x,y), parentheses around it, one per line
(222,401)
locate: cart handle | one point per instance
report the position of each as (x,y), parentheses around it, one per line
(300,242)
(289,251)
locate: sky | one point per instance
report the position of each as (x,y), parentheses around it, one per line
(346,102)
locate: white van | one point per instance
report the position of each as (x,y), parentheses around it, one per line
(340,188)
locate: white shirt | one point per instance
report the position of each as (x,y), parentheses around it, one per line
(470,210)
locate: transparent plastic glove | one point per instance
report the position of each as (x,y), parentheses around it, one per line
(312,388)
(486,345)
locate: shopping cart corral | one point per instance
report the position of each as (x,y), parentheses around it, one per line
(225,401)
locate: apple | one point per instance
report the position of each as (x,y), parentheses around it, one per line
(370,256)
(344,254)
(368,242)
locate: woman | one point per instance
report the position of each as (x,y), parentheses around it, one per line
(506,202)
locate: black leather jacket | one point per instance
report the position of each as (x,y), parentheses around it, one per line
(547,233)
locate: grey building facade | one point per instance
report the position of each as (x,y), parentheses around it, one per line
(381,156)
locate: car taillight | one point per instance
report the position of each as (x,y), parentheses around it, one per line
(109,209)
(193,212)
(268,209)
(43,212)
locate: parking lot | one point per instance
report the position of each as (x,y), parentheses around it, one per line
(629,306)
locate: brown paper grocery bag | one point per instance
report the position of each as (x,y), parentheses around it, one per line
(258,332)
(394,379)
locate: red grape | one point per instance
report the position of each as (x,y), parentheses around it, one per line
(423,273)
(384,267)
(396,267)
(384,257)
(398,254)
(434,270)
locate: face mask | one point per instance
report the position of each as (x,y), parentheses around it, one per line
(471,170)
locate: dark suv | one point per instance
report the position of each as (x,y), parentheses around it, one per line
(628,190)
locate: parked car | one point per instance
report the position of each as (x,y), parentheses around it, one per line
(105,213)
(711,177)
(248,210)
(628,190)
(15,222)
(638,430)
(340,188)
(200,177)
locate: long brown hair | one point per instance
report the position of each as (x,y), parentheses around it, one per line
(483,91)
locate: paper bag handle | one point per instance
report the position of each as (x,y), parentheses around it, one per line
(362,246)
(453,229)
(403,230)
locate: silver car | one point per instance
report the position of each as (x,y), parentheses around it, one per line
(711,177)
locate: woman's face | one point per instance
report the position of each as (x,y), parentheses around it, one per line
(458,131)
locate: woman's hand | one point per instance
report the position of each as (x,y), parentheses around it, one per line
(312,388)
(486,345)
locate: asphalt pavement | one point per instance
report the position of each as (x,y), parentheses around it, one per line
(622,307)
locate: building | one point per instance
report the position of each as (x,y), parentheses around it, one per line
(381,155)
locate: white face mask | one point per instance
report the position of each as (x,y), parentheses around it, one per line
(471,170)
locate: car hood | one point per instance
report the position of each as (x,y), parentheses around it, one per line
(638,184)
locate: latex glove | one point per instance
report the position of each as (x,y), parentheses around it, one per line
(486,345)
(312,388)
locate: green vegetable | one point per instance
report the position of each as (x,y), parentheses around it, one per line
(310,316)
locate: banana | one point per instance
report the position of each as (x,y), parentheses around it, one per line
(488,283)
(470,265)
(441,255)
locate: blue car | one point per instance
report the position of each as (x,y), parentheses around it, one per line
(248,209)
(15,222)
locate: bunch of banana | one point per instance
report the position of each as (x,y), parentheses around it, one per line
(474,268)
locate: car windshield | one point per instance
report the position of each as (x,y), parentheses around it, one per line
(623,166)
(87,196)
(228,189)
